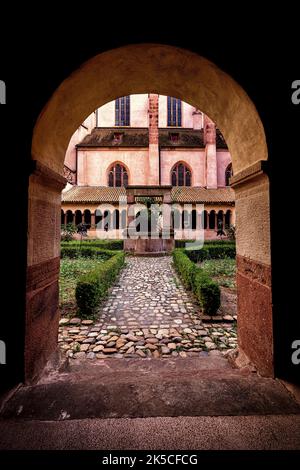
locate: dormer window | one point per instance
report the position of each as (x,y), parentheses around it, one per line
(174,136)
(118,137)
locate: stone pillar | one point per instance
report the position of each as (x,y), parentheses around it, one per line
(93,219)
(43,259)
(153,160)
(210,153)
(65,218)
(255,314)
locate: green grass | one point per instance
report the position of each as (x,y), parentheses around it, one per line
(70,270)
(221,270)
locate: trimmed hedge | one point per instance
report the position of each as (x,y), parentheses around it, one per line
(214,251)
(85,252)
(104,244)
(194,278)
(93,286)
(181,243)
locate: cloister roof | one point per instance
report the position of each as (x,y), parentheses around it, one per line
(180,194)
(139,137)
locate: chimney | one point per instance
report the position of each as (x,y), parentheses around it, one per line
(210,153)
(153,161)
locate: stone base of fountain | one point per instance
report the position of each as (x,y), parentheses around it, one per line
(144,245)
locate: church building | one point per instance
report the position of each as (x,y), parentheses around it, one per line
(148,140)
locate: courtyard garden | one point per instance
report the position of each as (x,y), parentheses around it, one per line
(112,306)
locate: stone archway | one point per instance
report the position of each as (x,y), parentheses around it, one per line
(168,71)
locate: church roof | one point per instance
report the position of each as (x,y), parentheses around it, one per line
(180,194)
(139,137)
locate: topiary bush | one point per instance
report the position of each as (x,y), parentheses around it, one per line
(194,278)
(213,251)
(93,286)
(104,244)
(75,251)
(185,267)
(207,292)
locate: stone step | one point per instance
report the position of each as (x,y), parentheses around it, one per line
(119,390)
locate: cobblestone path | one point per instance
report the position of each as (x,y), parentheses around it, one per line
(148,313)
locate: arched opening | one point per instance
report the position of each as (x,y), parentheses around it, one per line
(87,217)
(147,67)
(98,218)
(220,220)
(228,218)
(204,220)
(123,219)
(194,219)
(185,220)
(78,217)
(176,219)
(212,220)
(69,217)
(107,221)
(228,174)
(116,219)
(62,217)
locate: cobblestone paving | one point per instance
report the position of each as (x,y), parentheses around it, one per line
(148,313)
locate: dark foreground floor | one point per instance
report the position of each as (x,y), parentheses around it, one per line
(199,403)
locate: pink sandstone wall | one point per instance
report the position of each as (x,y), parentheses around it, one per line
(193,158)
(223,160)
(79,134)
(138,112)
(94,164)
(187,113)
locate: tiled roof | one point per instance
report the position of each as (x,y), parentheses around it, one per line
(199,195)
(139,137)
(180,194)
(93,194)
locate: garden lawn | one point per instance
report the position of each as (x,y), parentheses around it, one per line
(221,270)
(70,270)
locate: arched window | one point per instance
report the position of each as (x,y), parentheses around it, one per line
(228,174)
(174,112)
(62,217)
(181,175)
(117,176)
(122,111)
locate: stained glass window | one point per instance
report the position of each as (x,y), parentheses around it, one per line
(174,112)
(117,176)
(181,175)
(122,110)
